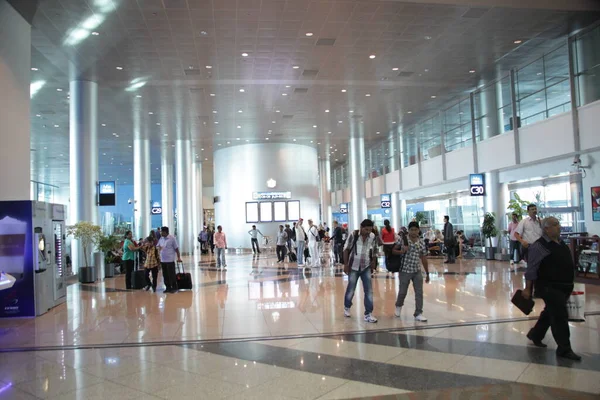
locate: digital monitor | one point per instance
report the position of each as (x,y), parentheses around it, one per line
(251,212)
(266,211)
(279,211)
(293,210)
(107,193)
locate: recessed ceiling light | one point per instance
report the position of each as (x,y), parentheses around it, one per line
(212,95)
(158,123)
(368,94)
(103,124)
(206,159)
(288,86)
(326,110)
(284,94)
(314,126)
(377,133)
(217,122)
(150,113)
(56,126)
(277,111)
(239,127)
(244,54)
(95,33)
(294,140)
(410,112)
(208,66)
(219,144)
(426,70)
(339,122)
(119,68)
(166,134)
(242,90)
(217,133)
(202,149)
(129,147)
(319,143)
(34,69)
(393,122)
(237,138)
(38,115)
(472,71)
(433,97)
(266,138)
(395,69)
(273,122)
(228,142)
(203,33)
(518,42)
(329,132)
(372,56)
(351,111)
(139,96)
(240,111)
(214,111)
(309,34)
(427,37)
(59,90)
(344,90)
(295,67)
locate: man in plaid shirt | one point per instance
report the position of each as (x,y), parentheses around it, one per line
(414,254)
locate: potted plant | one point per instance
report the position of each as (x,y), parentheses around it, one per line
(489,231)
(107,244)
(88,235)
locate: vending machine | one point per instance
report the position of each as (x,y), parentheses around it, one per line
(32,258)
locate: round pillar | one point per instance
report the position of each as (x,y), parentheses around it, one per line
(166,174)
(141,187)
(183,188)
(197,206)
(325,186)
(358,201)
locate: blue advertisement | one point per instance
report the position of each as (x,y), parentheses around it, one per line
(16,260)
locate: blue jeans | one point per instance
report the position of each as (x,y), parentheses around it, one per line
(365,277)
(300,252)
(221,257)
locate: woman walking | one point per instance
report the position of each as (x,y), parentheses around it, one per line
(388,238)
(129,249)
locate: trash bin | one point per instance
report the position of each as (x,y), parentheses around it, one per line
(109,270)
(87,274)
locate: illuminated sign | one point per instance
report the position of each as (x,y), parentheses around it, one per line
(156,208)
(477,183)
(386,201)
(271,195)
(343,208)
(106,193)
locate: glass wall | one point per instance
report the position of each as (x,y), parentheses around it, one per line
(457,125)
(410,147)
(586,61)
(543,88)
(42,192)
(430,137)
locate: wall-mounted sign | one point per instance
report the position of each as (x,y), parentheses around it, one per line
(271,195)
(271,183)
(477,183)
(343,208)
(106,193)
(386,201)
(156,208)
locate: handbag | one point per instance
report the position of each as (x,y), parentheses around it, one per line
(576,303)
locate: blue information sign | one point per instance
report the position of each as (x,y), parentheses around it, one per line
(386,201)
(343,208)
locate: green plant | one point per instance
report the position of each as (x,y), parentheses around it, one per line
(420,217)
(88,234)
(518,205)
(107,244)
(489,228)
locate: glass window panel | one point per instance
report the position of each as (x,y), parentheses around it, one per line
(530,79)
(457,125)
(587,66)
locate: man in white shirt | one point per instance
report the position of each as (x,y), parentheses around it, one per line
(313,244)
(300,242)
(169,252)
(254,235)
(282,238)
(529,230)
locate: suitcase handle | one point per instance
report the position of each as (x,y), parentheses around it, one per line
(178,265)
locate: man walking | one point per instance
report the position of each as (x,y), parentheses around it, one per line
(359,260)
(338,242)
(551,272)
(290,236)
(169,249)
(529,230)
(221,245)
(282,239)
(414,254)
(313,244)
(449,241)
(203,239)
(300,242)
(254,235)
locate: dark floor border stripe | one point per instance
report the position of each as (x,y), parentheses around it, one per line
(264,338)
(352,369)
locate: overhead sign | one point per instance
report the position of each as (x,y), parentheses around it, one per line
(343,208)
(477,184)
(386,201)
(271,195)
(156,208)
(106,193)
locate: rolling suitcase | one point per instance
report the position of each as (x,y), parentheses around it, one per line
(184,279)
(293,257)
(138,276)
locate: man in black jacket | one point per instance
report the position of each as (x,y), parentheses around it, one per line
(449,241)
(338,242)
(550,269)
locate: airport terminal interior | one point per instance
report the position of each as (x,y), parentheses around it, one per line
(131,128)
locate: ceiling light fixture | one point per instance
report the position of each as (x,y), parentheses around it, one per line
(242,90)
(410,112)
(395,69)
(239,127)
(284,94)
(120,68)
(368,95)
(244,54)
(326,110)
(309,34)
(372,56)
(95,33)
(472,71)
(139,96)
(339,122)
(103,124)
(433,97)
(212,95)
(38,115)
(377,133)
(518,42)
(34,69)
(344,90)
(150,113)
(427,37)
(203,33)
(217,122)
(240,111)
(314,126)
(277,111)
(158,123)
(217,133)
(56,126)
(288,86)
(165,134)
(295,67)
(59,90)
(209,67)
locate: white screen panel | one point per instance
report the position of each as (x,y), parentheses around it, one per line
(293,210)
(279,211)
(266,211)
(251,212)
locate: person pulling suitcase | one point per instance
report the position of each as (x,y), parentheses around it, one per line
(169,253)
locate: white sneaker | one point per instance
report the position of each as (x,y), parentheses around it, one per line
(370,318)
(512,263)
(398,310)
(420,318)
(347,312)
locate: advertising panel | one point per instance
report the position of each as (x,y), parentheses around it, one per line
(596,203)
(107,193)
(16,260)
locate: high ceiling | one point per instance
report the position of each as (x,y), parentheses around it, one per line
(223,72)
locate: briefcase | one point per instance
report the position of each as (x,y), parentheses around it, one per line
(184,279)
(523,304)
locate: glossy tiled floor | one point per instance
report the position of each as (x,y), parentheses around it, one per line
(152,345)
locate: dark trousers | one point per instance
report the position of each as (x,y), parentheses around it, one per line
(281,252)
(154,272)
(554,316)
(128,272)
(387,251)
(515,251)
(337,252)
(525,252)
(168,270)
(451,251)
(255,243)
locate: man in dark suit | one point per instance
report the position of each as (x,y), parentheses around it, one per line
(449,241)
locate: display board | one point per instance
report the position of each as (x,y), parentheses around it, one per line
(252,212)
(279,211)
(266,211)
(293,210)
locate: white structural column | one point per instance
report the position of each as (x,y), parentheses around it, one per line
(166,173)
(325,184)
(356,163)
(183,188)
(496,200)
(15,64)
(397,210)
(197,206)
(141,187)
(83,158)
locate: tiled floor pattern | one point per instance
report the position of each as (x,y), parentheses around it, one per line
(422,363)
(256,297)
